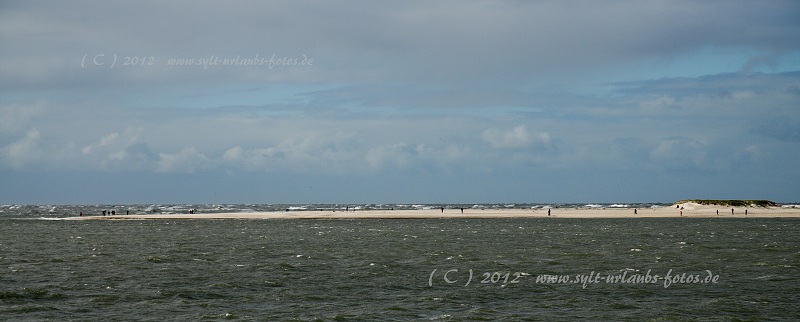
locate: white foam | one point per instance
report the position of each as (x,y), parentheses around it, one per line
(50,218)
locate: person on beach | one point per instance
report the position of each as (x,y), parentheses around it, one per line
(745,212)
(635,211)
(462,210)
(81,214)
(548,212)
(442,209)
(717,212)
(104,212)
(731,211)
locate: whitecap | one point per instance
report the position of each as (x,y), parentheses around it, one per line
(442,317)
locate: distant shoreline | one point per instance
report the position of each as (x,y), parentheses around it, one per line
(686,210)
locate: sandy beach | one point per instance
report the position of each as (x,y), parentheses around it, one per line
(687,210)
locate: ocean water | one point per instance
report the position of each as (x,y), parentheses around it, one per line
(734,269)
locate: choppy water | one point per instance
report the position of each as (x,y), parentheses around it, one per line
(380,269)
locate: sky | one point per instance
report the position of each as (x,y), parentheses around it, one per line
(398,101)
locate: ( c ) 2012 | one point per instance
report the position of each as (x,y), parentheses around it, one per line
(497,277)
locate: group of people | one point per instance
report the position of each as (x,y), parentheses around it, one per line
(109,213)
(732,212)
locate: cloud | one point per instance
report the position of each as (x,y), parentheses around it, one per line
(680,153)
(505,41)
(188,160)
(136,156)
(393,155)
(15,117)
(104,141)
(23,152)
(516,138)
(233,154)
(784,130)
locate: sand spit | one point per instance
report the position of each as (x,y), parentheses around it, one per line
(687,210)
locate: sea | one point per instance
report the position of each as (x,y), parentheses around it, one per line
(526,269)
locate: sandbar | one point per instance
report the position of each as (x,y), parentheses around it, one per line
(685,210)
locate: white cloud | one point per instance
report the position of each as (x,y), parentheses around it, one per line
(24,151)
(233,154)
(104,141)
(17,117)
(515,138)
(397,155)
(657,104)
(188,160)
